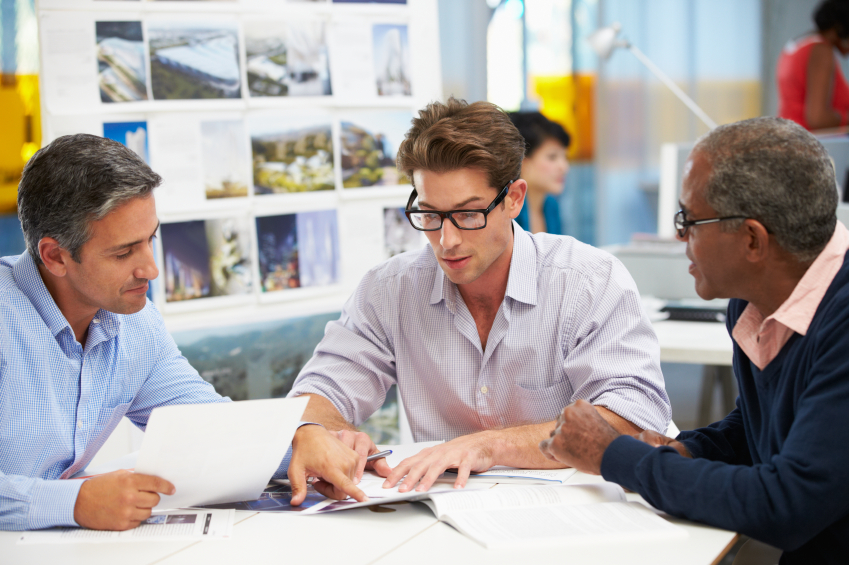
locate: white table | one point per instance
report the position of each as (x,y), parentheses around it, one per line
(408,534)
(701,343)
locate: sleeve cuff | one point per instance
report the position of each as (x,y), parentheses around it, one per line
(620,460)
(281,472)
(52,504)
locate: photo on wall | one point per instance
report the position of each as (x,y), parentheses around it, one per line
(291,154)
(194,60)
(121,70)
(398,235)
(287,58)
(369,1)
(392,59)
(131,134)
(225,159)
(369,147)
(205,258)
(298,250)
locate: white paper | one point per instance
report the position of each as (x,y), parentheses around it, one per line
(216,453)
(175,153)
(175,525)
(564,525)
(352,60)
(501,474)
(70,62)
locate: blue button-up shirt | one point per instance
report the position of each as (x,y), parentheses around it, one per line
(60,401)
(571,326)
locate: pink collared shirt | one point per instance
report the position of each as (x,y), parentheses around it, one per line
(761,339)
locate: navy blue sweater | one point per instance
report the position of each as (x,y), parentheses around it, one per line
(777,467)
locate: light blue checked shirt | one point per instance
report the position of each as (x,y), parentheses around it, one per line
(571,326)
(59,401)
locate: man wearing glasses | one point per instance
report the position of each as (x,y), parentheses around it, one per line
(490,330)
(758,215)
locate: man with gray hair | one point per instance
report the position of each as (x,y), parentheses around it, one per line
(81,346)
(758,215)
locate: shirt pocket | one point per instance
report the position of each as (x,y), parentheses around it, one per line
(538,405)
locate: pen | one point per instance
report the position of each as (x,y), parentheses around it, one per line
(379,455)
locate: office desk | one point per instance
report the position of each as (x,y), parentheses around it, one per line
(701,343)
(408,534)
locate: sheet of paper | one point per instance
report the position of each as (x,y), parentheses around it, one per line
(216,453)
(501,474)
(564,525)
(352,59)
(175,525)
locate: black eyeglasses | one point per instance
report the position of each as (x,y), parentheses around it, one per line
(682,225)
(431,220)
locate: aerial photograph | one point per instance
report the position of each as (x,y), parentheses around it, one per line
(291,154)
(287,58)
(121,70)
(277,243)
(398,235)
(369,146)
(225,158)
(194,60)
(392,59)
(230,264)
(131,134)
(318,248)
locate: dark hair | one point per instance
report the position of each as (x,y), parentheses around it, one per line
(775,171)
(458,135)
(76,180)
(833,14)
(536,129)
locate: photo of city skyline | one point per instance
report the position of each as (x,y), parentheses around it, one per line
(225,159)
(369,146)
(287,58)
(132,134)
(392,59)
(121,69)
(194,60)
(318,246)
(291,154)
(277,241)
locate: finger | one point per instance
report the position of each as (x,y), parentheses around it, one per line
(363,447)
(139,515)
(146,499)
(463,472)
(298,480)
(432,474)
(414,475)
(402,469)
(381,467)
(328,490)
(151,483)
(343,483)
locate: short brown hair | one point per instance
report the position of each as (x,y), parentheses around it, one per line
(458,135)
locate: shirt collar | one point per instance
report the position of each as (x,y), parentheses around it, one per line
(29,281)
(521,281)
(798,310)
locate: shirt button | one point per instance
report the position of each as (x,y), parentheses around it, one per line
(79,423)
(96,321)
(484,389)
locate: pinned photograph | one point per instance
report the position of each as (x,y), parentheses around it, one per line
(293,154)
(398,235)
(369,146)
(392,59)
(277,242)
(194,60)
(287,58)
(206,258)
(131,134)
(225,159)
(121,70)
(369,1)
(318,243)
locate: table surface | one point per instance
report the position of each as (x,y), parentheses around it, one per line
(702,343)
(408,533)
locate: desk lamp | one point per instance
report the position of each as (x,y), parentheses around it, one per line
(603,41)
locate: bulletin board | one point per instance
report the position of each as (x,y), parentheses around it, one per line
(274,125)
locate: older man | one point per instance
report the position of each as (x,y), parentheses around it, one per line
(489,329)
(81,346)
(758,215)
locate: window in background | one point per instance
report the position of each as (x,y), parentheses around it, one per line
(505,85)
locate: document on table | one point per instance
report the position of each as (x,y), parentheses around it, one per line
(217,453)
(174,525)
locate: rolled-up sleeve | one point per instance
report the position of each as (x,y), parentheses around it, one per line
(611,353)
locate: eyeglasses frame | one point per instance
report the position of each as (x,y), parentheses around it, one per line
(450,214)
(686,224)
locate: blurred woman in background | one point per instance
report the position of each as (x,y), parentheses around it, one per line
(544,169)
(811,88)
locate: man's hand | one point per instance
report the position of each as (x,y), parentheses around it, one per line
(655,439)
(120,500)
(580,438)
(466,454)
(364,446)
(319,453)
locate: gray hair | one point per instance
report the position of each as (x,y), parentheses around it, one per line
(776,172)
(74,181)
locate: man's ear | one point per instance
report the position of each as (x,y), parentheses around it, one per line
(54,257)
(756,240)
(515,198)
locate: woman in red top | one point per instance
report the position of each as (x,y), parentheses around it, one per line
(811,88)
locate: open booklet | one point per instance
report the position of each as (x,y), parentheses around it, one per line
(520,516)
